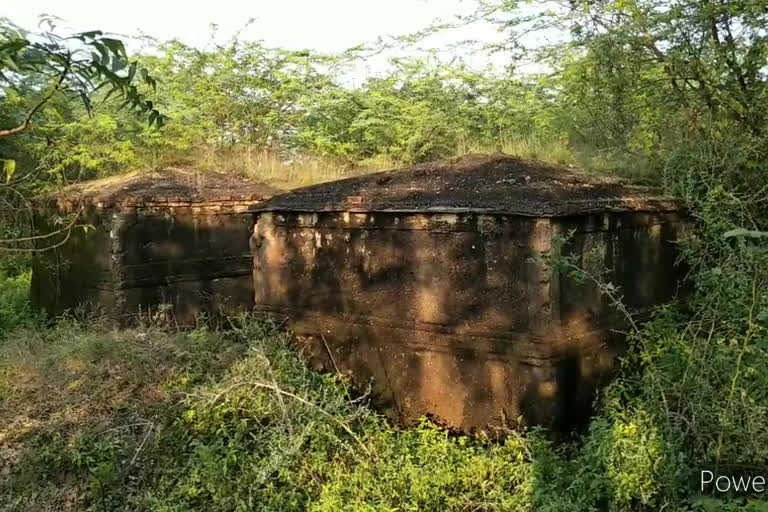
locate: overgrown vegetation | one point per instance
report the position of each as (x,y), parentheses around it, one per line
(207,420)
(15,309)
(670,93)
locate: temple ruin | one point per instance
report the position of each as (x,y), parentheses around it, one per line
(174,240)
(483,291)
(480,291)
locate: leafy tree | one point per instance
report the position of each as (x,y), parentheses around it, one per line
(239,95)
(40,74)
(79,64)
(421,110)
(635,72)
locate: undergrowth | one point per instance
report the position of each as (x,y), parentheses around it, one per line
(15,309)
(150,419)
(146,419)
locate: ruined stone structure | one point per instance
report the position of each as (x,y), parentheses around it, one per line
(175,238)
(439,285)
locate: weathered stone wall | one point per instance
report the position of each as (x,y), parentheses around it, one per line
(620,266)
(78,271)
(193,256)
(458,315)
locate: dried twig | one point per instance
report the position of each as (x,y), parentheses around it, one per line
(124,427)
(275,389)
(330,354)
(43,249)
(143,441)
(43,237)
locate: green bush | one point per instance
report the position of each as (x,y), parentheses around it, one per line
(15,308)
(272,435)
(693,391)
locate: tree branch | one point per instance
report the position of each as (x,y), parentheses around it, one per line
(42,249)
(69,227)
(28,118)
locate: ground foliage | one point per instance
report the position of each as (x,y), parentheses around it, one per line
(220,421)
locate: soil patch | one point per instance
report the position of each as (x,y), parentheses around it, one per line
(483,183)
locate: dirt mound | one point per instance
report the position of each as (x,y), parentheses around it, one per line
(482,183)
(169,185)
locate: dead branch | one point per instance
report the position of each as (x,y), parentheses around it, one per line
(35,249)
(277,390)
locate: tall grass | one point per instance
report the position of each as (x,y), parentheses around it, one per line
(15,308)
(303,170)
(271,168)
(559,151)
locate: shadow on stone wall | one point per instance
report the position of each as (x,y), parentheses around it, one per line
(453,315)
(183,264)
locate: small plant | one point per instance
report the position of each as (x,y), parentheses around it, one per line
(15,308)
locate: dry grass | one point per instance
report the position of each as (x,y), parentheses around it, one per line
(68,386)
(304,170)
(268,167)
(560,152)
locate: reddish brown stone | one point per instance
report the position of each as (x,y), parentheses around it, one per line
(437,291)
(175,238)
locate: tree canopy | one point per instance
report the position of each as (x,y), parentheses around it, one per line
(41,76)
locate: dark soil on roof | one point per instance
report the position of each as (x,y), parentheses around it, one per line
(170,185)
(482,183)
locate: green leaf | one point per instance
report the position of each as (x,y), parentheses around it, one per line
(115,45)
(118,64)
(86,102)
(9,168)
(89,35)
(13,46)
(745,233)
(10,64)
(104,60)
